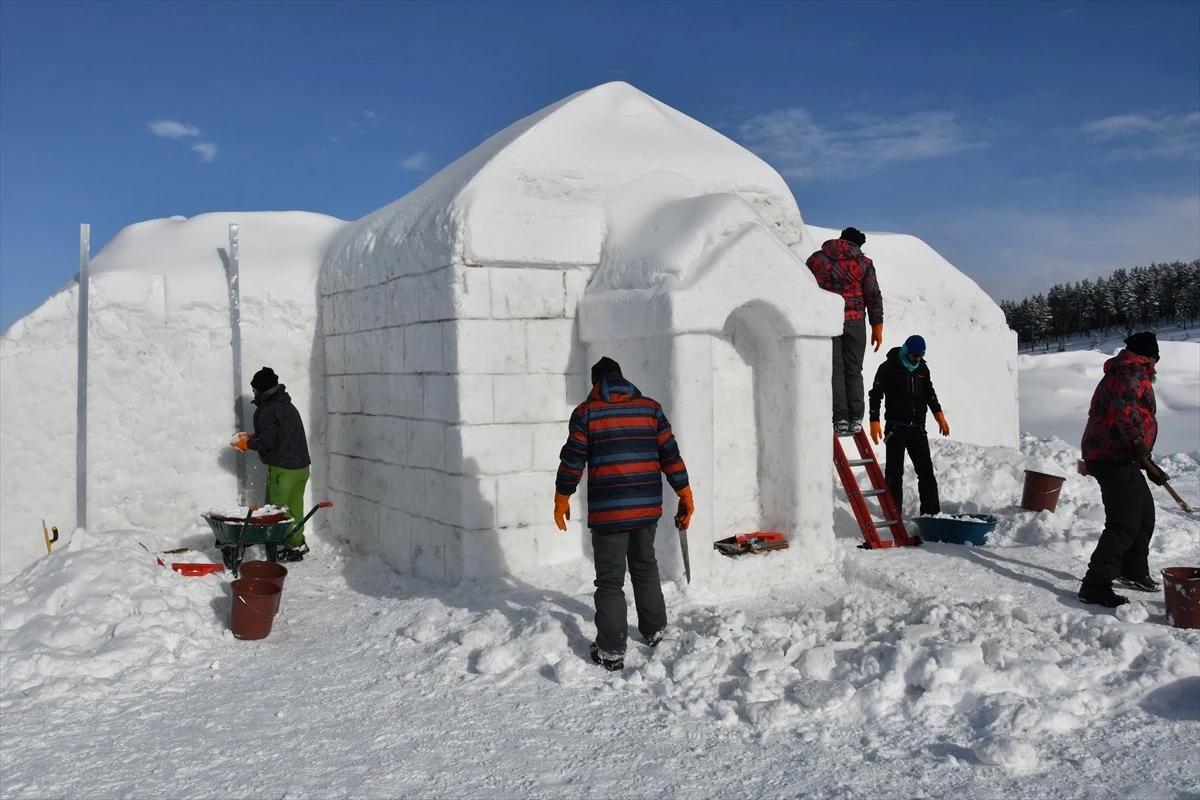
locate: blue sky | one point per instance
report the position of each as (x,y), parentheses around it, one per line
(1028,142)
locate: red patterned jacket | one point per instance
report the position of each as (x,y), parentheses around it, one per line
(1122,411)
(839,266)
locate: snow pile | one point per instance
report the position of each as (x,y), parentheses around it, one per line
(100,612)
(927,668)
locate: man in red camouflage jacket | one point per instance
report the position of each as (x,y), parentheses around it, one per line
(840,266)
(1120,433)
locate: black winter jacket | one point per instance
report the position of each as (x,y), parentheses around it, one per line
(279,436)
(908,394)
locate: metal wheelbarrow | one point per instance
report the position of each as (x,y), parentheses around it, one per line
(235,535)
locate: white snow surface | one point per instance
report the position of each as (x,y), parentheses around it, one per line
(160,374)
(936,671)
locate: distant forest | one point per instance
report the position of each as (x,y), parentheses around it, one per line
(1127,300)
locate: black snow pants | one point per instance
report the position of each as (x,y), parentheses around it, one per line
(612,551)
(1124,546)
(848,351)
(899,440)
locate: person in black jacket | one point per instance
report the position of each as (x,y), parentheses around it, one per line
(280,442)
(903,381)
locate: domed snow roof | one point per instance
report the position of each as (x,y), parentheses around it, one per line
(542,190)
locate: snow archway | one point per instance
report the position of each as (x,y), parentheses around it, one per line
(711,314)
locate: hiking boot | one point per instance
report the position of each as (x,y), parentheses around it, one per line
(1143,584)
(653,639)
(1103,596)
(287,555)
(842,427)
(613,662)
(855,427)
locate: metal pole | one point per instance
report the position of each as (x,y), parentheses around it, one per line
(235,324)
(85,246)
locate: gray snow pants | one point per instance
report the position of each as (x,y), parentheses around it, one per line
(848,352)
(612,551)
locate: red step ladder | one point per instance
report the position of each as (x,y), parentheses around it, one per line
(867,522)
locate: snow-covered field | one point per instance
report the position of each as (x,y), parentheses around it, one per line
(938,671)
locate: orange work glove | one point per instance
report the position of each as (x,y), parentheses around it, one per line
(562,510)
(877,336)
(683,515)
(876,432)
(943,426)
(241,441)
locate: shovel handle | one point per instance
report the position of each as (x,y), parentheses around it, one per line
(1178,499)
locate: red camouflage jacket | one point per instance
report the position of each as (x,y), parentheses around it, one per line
(839,266)
(1122,412)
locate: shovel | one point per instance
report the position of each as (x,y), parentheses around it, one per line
(1152,468)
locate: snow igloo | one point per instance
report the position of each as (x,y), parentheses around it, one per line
(459,323)
(437,347)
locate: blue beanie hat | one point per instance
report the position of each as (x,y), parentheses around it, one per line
(915,346)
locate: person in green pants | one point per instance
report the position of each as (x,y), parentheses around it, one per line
(280,442)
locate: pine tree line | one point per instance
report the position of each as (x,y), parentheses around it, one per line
(1142,297)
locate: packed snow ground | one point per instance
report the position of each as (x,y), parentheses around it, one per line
(936,671)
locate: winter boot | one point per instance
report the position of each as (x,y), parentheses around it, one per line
(613,662)
(855,427)
(1143,584)
(842,427)
(1101,596)
(287,555)
(653,639)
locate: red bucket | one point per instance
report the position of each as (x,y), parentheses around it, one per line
(1181,587)
(255,603)
(1041,491)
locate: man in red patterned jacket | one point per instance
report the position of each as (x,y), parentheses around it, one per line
(1120,433)
(840,267)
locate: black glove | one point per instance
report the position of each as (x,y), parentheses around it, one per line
(1140,451)
(1155,473)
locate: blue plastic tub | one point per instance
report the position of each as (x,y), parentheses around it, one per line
(958,528)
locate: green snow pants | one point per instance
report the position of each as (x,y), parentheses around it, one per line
(285,487)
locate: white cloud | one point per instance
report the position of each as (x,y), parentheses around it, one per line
(1142,136)
(172,129)
(417,161)
(372,117)
(207,150)
(1013,253)
(800,147)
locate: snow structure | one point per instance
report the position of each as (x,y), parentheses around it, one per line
(160,375)
(459,323)
(455,332)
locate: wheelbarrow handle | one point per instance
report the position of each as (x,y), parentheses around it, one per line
(308,516)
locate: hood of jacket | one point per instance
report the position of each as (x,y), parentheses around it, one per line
(614,389)
(1128,361)
(840,250)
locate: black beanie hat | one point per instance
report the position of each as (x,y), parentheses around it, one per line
(854,236)
(1144,344)
(603,367)
(264,379)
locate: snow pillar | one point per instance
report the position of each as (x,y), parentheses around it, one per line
(690,411)
(808,361)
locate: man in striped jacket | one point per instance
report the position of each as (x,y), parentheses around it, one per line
(625,441)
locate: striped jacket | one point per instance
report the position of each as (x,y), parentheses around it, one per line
(625,441)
